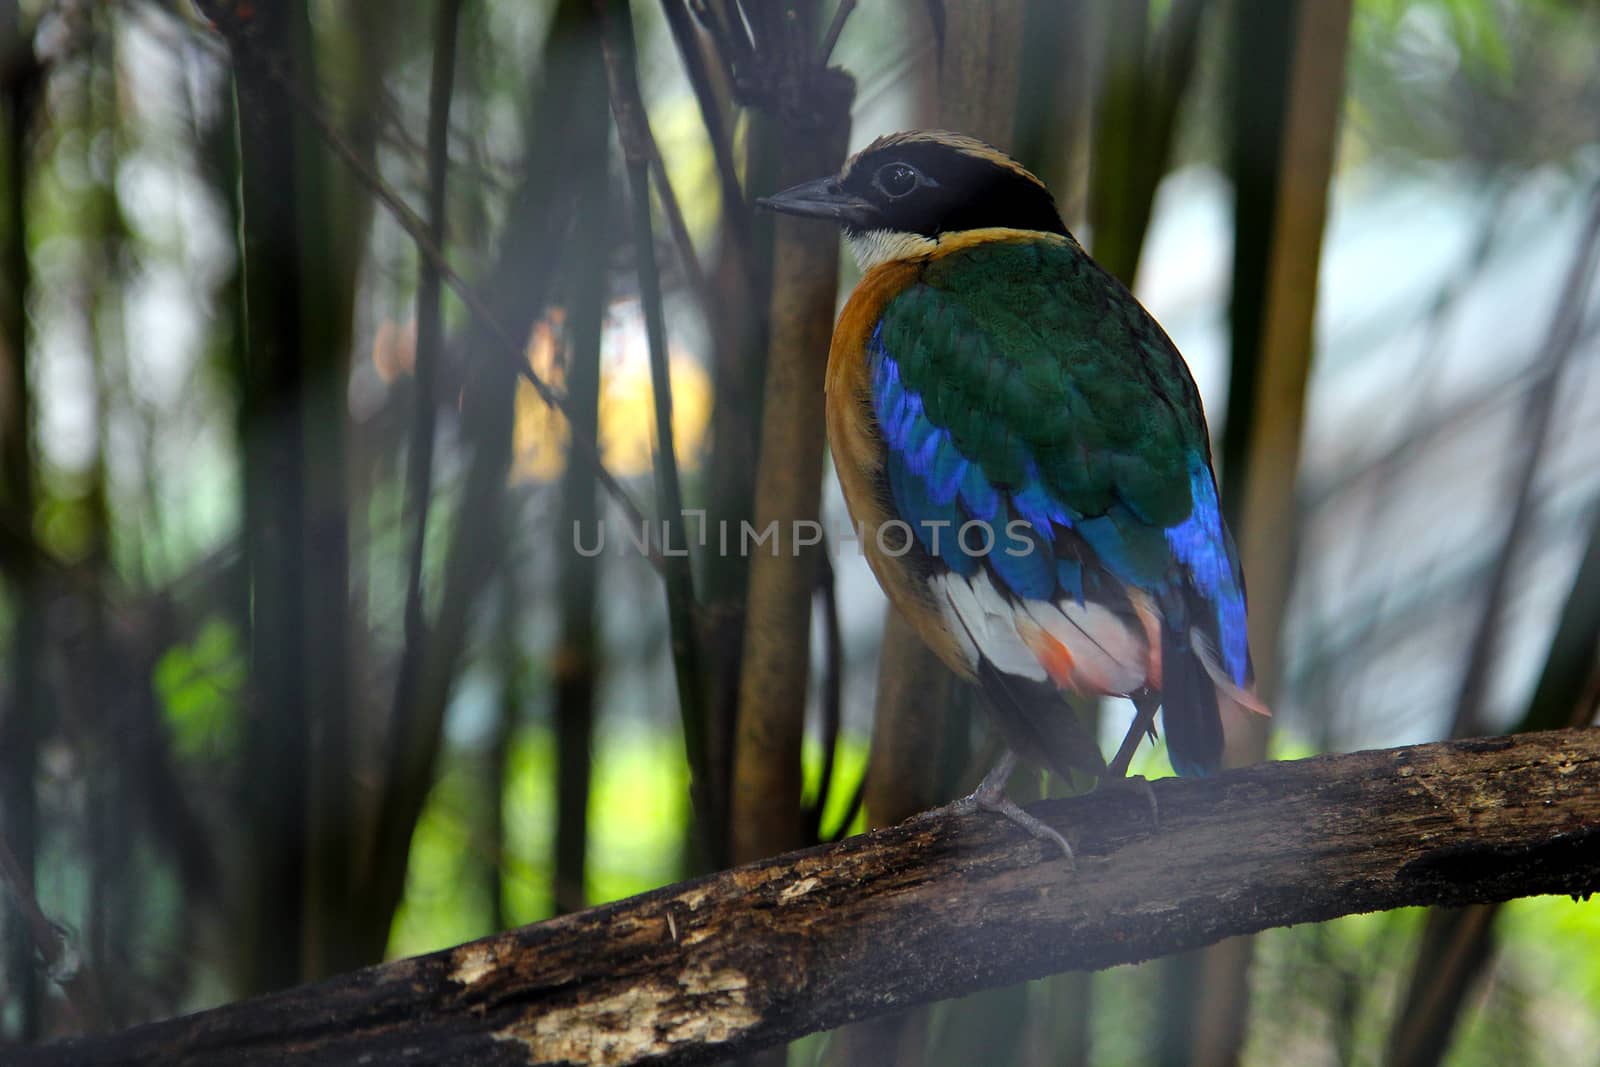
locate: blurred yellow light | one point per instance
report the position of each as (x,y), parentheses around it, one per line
(627,403)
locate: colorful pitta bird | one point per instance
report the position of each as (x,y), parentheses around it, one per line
(1026,455)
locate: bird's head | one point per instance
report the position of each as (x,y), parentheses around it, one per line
(898,196)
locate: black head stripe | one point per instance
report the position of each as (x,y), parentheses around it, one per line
(966,189)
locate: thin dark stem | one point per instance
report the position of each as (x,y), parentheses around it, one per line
(694,65)
(733,44)
(851,810)
(627,108)
(1538,417)
(1575,647)
(1141,726)
(832,674)
(431,251)
(430,330)
(680,229)
(633,126)
(835,28)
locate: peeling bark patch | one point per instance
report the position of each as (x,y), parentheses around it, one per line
(695,897)
(798,890)
(703,1007)
(472,962)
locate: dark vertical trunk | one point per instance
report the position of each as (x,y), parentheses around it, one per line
(299,259)
(1145,81)
(334,215)
(1277,351)
(767,809)
(1060,1024)
(1059,64)
(1261,36)
(576,667)
(274,377)
(21,708)
(508,717)
(102,696)
(1118,126)
(1457,945)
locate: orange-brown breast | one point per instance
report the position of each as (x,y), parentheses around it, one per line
(858,454)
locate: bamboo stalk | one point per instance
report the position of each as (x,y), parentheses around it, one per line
(772,683)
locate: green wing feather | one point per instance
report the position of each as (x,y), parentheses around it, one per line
(1041,365)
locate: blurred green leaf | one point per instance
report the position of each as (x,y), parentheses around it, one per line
(198,685)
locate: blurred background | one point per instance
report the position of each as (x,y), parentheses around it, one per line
(324,639)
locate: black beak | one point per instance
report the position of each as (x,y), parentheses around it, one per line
(822,199)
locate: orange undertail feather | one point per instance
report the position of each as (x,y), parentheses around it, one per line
(1053,656)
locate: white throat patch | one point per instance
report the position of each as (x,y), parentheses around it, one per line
(873,247)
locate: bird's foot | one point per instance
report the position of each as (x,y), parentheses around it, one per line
(1141,785)
(1004,805)
(991,796)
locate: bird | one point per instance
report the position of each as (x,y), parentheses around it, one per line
(1026,457)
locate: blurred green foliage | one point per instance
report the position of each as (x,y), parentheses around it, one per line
(199,685)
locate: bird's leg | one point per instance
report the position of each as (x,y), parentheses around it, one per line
(1143,724)
(1117,771)
(993,785)
(991,796)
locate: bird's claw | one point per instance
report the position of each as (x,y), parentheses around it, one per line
(1140,784)
(991,796)
(1004,805)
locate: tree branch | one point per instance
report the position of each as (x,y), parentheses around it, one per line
(938,907)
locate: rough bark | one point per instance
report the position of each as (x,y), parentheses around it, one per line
(938,907)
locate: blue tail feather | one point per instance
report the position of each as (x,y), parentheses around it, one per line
(1188,698)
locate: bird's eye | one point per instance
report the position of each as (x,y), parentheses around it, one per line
(896,179)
